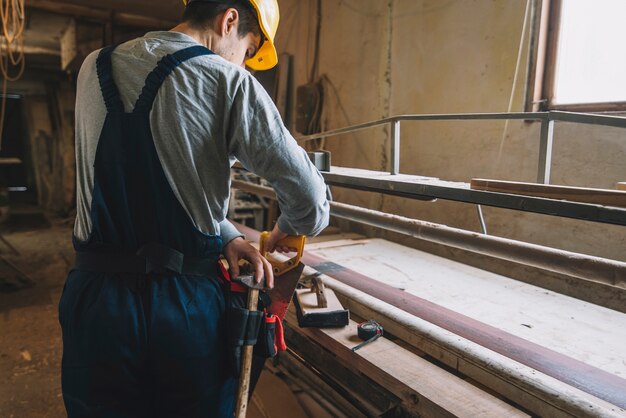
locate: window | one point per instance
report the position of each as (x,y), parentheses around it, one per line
(581,47)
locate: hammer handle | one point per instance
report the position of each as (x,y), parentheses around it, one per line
(246,366)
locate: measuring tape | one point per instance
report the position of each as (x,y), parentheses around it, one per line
(368,331)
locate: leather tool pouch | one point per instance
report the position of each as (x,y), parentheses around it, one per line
(248,328)
(265,346)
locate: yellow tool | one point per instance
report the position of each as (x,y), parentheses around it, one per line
(291,241)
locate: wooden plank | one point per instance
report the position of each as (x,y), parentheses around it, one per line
(424,388)
(332,236)
(597,382)
(69,50)
(10,161)
(605,197)
(621,185)
(335,243)
(540,394)
(367,396)
(555,321)
(526,386)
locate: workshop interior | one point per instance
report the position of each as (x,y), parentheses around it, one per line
(474,156)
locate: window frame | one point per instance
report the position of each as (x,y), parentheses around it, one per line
(546,20)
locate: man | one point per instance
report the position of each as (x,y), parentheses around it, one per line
(159,122)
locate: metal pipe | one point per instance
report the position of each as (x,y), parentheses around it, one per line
(431,117)
(602,270)
(481,219)
(395,147)
(597,269)
(573,117)
(588,118)
(532,54)
(544,164)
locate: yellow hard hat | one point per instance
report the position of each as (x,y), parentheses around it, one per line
(268,17)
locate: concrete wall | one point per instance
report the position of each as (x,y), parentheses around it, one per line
(444,56)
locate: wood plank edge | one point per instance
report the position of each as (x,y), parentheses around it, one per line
(539,393)
(429,401)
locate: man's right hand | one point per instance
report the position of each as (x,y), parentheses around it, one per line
(238,249)
(276,236)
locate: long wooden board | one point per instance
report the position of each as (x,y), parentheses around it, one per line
(424,388)
(605,197)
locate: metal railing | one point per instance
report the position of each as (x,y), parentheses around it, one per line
(546,135)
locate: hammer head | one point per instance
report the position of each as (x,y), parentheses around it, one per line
(248,281)
(246,277)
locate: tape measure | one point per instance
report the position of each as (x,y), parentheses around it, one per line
(368,331)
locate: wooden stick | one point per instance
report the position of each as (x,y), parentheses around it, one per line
(606,197)
(246,364)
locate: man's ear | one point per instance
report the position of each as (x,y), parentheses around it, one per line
(228,22)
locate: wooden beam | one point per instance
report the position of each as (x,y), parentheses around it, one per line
(621,185)
(101,15)
(10,161)
(37,50)
(69,49)
(425,389)
(536,392)
(607,197)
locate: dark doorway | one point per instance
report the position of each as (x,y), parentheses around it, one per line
(15,177)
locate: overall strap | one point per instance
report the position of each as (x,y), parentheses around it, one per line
(165,66)
(110,93)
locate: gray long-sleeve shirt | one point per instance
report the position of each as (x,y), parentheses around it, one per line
(207,114)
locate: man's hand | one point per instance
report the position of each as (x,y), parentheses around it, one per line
(238,249)
(276,236)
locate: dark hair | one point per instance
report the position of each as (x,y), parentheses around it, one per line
(202,14)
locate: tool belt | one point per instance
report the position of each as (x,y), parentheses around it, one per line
(150,258)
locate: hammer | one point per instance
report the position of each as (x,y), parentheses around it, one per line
(289,272)
(246,367)
(247,280)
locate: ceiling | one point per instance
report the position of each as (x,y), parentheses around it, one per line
(161,9)
(43,31)
(46,22)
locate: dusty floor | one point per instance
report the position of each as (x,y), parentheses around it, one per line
(30,336)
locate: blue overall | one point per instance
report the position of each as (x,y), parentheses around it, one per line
(143,317)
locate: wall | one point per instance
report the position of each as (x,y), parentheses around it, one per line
(445,56)
(48,107)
